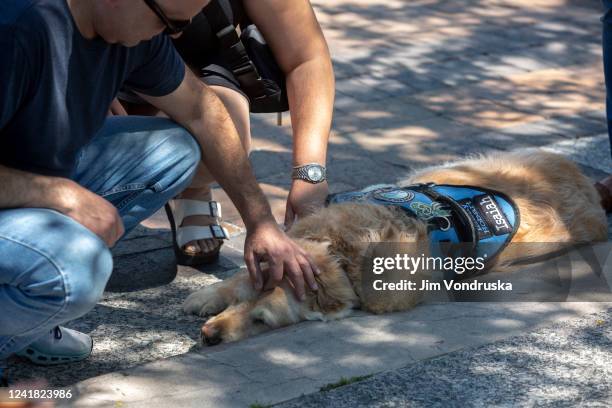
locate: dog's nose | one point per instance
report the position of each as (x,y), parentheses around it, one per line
(210,335)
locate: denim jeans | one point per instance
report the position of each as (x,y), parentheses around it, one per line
(53,269)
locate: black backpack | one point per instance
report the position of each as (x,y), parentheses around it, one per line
(251,62)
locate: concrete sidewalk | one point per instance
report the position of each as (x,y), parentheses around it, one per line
(566,364)
(418,83)
(287,363)
(284,364)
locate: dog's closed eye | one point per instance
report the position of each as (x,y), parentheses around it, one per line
(258,320)
(263,317)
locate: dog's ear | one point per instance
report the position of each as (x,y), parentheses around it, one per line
(335,294)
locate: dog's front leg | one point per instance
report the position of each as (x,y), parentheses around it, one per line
(215,298)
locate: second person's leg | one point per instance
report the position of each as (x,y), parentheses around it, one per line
(200,189)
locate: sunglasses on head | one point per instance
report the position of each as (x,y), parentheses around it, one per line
(172,26)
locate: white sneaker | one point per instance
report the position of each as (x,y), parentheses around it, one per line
(59,346)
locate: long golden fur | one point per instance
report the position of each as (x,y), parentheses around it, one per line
(557,203)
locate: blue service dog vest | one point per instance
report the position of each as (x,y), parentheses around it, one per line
(462,221)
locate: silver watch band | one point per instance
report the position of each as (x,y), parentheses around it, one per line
(312,172)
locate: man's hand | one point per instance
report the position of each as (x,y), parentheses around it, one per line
(267,243)
(304,198)
(88,209)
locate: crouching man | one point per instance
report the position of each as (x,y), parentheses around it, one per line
(73,182)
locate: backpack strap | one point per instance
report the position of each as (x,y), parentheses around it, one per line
(233,50)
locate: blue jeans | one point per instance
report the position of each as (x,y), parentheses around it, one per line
(53,269)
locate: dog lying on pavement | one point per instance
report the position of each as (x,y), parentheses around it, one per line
(486,202)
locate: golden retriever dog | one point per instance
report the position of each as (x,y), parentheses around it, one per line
(556,202)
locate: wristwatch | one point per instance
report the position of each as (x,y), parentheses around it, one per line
(312,172)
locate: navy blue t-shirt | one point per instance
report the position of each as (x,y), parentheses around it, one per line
(56,86)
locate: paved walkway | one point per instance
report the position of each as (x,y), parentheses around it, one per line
(568,364)
(419,82)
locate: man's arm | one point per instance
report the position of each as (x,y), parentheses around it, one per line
(20,189)
(295,37)
(198,109)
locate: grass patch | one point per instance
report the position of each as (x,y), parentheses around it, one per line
(344,381)
(258,405)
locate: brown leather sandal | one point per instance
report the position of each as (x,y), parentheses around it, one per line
(606,196)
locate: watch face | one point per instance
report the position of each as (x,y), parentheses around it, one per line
(315,173)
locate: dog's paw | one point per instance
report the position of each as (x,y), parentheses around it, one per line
(205,302)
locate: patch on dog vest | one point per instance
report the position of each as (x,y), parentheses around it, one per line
(493,214)
(482,227)
(394,195)
(489,218)
(480,222)
(428,212)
